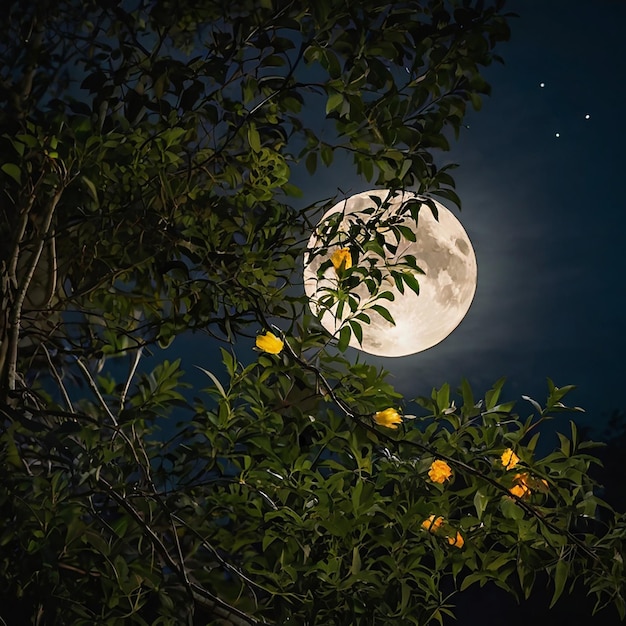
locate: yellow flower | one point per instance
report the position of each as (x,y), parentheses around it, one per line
(520,488)
(433,524)
(269,343)
(524,484)
(341,259)
(389,418)
(457,541)
(509,459)
(439,471)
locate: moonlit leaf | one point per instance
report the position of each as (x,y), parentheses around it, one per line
(386,295)
(384,313)
(357,330)
(397,277)
(407,232)
(411,282)
(344,338)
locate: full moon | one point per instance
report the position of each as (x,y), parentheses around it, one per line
(442,250)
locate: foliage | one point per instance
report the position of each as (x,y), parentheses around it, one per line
(149,150)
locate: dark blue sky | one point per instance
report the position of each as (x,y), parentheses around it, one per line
(546,214)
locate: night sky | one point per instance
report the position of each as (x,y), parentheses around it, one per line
(545,214)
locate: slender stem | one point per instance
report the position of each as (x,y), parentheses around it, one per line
(131,374)
(201,595)
(59,381)
(92,385)
(218,557)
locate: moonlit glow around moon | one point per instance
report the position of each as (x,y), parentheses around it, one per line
(442,250)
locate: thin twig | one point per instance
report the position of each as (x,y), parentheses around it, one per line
(53,276)
(92,385)
(131,374)
(59,381)
(201,595)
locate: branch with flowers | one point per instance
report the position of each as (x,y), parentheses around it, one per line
(521,485)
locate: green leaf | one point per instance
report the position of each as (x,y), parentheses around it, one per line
(367,167)
(383,312)
(407,233)
(491,397)
(411,282)
(19,146)
(480,503)
(292,190)
(254,139)
(476,101)
(327,154)
(397,277)
(386,295)
(535,404)
(93,192)
(467,394)
(335,100)
(311,163)
(478,577)
(357,490)
(357,330)
(510,509)
(355,568)
(560,578)
(344,338)
(448,194)
(273,60)
(12,170)
(442,397)
(505,407)
(216,382)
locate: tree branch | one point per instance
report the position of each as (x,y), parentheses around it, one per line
(15,314)
(360,420)
(202,596)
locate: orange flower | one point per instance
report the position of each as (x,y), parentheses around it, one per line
(341,259)
(509,459)
(457,541)
(269,343)
(433,524)
(524,484)
(389,418)
(519,490)
(521,487)
(439,471)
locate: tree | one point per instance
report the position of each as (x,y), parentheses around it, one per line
(148,152)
